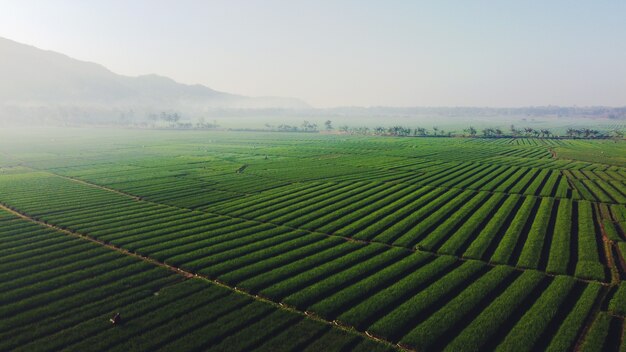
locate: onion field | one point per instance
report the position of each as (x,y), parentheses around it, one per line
(241,241)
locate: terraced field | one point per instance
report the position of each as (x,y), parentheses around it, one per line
(224,241)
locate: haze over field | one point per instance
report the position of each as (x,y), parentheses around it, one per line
(349,53)
(237,64)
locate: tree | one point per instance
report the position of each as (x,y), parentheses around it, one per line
(329,125)
(471,130)
(287,128)
(308,127)
(173,117)
(362,130)
(488,132)
(528,131)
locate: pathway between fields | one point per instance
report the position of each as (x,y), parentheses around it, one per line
(189,275)
(180,271)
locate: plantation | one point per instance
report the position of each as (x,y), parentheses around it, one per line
(233,241)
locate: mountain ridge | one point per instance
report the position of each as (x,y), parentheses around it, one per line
(35,76)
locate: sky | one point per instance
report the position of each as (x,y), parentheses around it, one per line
(349,53)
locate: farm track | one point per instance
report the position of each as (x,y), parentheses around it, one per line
(597,307)
(137,198)
(190,275)
(602,298)
(15,212)
(553,153)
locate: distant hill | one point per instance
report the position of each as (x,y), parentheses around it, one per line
(32,78)
(39,86)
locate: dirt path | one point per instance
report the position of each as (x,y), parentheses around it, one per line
(615,280)
(553,153)
(188,274)
(104,188)
(180,271)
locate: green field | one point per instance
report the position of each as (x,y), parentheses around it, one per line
(235,241)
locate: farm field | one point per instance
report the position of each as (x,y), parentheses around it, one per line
(237,241)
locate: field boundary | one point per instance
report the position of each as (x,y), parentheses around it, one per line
(190,275)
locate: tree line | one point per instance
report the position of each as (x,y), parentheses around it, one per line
(487,132)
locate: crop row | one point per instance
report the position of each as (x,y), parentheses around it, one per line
(528,232)
(605,334)
(611,176)
(537,233)
(63,298)
(599,191)
(314,270)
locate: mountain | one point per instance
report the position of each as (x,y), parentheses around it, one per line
(45,80)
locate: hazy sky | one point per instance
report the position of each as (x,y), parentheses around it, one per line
(336,53)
